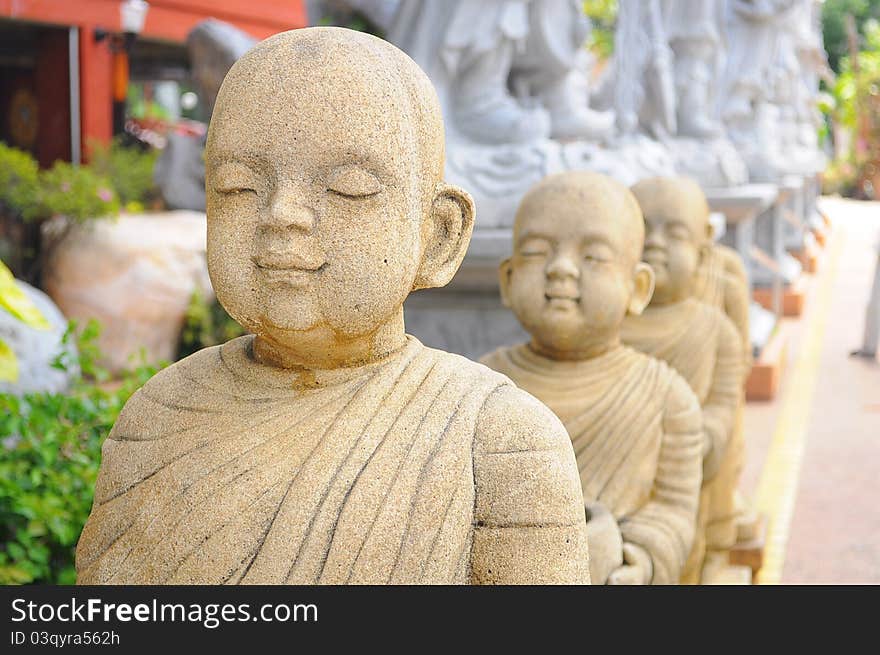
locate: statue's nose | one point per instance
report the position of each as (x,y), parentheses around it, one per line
(289,210)
(562,266)
(654,238)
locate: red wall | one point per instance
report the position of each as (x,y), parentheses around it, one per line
(169,20)
(52,86)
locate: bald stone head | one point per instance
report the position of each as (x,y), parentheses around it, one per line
(325,195)
(575,270)
(677,232)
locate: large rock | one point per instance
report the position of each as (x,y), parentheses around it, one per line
(37,349)
(134,275)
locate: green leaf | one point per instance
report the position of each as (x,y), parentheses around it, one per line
(16,552)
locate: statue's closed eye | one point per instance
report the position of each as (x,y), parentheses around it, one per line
(598,252)
(235,178)
(534,247)
(353,182)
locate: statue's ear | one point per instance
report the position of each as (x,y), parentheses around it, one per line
(643,288)
(504,272)
(446,234)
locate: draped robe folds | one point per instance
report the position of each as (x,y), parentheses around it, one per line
(722,283)
(637,434)
(703,346)
(224,470)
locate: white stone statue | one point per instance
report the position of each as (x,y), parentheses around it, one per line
(511,71)
(667,58)
(754,80)
(808,52)
(692,28)
(513,80)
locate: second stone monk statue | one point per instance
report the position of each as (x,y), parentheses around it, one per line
(330,447)
(574,275)
(697,340)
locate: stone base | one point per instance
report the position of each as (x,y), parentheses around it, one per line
(763,380)
(748,521)
(794,297)
(751,553)
(469,323)
(498,176)
(718,571)
(730,575)
(808,256)
(713,163)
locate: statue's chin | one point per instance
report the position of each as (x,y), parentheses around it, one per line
(291,316)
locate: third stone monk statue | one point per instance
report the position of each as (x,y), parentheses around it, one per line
(635,424)
(696,339)
(330,447)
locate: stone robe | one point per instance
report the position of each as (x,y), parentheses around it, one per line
(703,345)
(722,283)
(636,429)
(410,470)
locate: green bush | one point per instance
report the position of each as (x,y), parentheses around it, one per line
(834,34)
(118,176)
(51,445)
(19,181)
(206,324)
(129,169)
(856,107)
(76,192)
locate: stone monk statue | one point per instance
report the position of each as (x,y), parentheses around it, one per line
(635,424)
(329,446)
(723,283)
(693,337)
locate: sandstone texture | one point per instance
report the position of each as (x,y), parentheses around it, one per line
(329,446)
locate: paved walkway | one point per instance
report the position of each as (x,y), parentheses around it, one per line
(814,452)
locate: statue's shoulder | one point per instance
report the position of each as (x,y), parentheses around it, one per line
(667,381)
(498,359)
(725,326)
(701,315)
(510,419)
(514,421)
(178,394)
(177,381)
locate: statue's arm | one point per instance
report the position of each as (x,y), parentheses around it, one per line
(719,410)
(529,520)
(664,526)
(736,299)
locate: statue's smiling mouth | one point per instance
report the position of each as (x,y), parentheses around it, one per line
(655,256)
(550,297)
(292,272)
(306,264)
